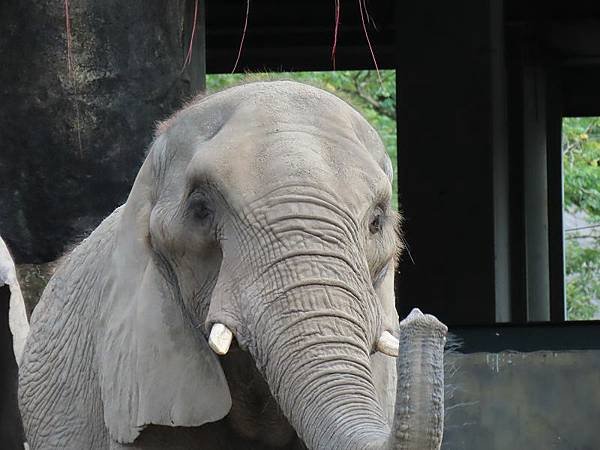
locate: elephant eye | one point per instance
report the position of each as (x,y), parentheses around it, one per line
(200,209)
(202,212)
(376,223)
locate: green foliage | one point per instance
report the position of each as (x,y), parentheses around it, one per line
(581,162)
(583,280)
(581,156)
(375,99)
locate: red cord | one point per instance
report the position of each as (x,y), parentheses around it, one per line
(243,36)
(188,57)
(69,41)
(364,25)
(335,32)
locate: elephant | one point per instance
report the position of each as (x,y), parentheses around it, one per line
(242,296)
(14,328)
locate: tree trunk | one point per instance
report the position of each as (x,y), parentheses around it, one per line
(79,109)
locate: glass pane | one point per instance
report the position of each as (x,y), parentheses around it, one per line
(581,216)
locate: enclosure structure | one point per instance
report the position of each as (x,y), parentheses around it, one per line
(481,186)
(481,91)
(482,87)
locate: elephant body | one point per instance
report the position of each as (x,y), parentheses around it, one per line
(240,216)
(254,422)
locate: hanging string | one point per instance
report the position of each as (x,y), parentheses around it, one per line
(188,57)
(70,73)
(335,32)
(362,8)
(69,40)
(243,36)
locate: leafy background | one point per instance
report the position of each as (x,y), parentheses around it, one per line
(581,165)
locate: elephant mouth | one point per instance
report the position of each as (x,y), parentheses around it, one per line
(262,410)
(255,415)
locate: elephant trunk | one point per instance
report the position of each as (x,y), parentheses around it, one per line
(316,363)
(318,368)
(314,328)
(419,413)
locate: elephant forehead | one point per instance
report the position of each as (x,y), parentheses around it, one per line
(251,158)
(253,136)
(270,107)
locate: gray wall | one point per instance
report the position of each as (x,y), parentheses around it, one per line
(522,401)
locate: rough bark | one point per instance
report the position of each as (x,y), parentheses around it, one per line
(73,140)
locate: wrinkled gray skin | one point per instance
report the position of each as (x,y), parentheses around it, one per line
(265,207)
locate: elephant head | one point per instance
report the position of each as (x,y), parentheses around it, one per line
(262,213)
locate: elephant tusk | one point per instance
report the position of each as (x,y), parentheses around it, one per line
(220,338)
(388,344)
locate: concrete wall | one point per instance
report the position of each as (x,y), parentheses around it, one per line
(518,401)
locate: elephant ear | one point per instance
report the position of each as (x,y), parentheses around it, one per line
(384,367)
(154,367)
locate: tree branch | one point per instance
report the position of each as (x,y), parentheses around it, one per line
(358,90)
